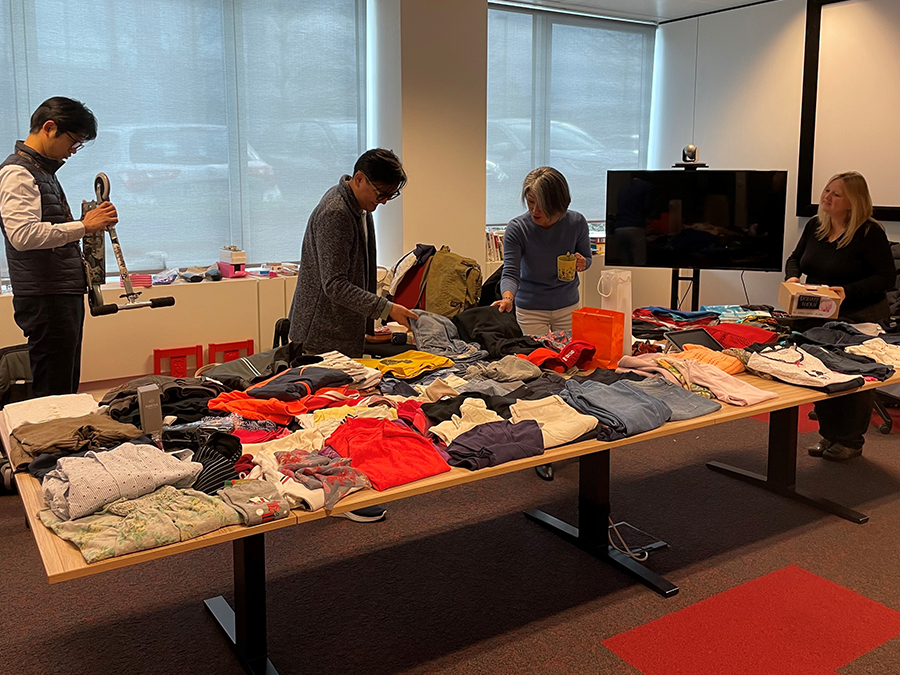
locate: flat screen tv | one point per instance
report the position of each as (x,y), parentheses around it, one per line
(696,219)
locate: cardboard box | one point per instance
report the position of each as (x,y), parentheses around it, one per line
(809,300)
(232,257)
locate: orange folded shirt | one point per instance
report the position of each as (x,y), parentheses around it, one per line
(725,362)
(280,412)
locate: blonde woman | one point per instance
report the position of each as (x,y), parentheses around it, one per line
(844,248)
(531,245)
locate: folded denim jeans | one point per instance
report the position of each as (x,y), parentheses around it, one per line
(621,406)
(684,404)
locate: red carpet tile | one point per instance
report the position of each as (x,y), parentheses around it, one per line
(788,622)
(804,424)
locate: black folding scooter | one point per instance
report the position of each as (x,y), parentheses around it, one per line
(93,247)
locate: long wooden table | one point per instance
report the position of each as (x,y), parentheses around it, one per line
(245,625)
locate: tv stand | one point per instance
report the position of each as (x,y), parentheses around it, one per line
(695,288)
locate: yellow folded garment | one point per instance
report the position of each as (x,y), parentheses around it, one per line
(729,364)
(356,411)
(408,364)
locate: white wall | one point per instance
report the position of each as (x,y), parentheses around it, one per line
(730,84)
(444,112)
(743,113)
(859,53)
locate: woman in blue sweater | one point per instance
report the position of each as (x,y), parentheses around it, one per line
(531,245)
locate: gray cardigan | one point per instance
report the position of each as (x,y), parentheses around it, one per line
(335,292)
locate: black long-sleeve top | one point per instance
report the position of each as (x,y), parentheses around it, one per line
(864,268)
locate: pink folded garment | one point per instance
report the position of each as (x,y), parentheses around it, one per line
(259,436)
(646,365)
(724,387)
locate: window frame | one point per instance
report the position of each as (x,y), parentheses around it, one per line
(542,26)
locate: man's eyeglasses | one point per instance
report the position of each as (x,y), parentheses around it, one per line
(379,195)
(77,144)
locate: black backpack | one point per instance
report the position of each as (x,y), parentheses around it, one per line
(15,374)
(15,385)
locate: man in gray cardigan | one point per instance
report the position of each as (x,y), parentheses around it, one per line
(335,294)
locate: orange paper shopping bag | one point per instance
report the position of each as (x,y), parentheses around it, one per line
(602,328)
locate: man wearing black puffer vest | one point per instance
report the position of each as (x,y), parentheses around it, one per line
(41,238)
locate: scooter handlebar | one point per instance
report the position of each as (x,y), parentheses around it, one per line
(162,302)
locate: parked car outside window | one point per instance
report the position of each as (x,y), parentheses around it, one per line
(582,159)
(174,189)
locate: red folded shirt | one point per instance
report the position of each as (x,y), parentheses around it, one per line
(740,334)
(387,452)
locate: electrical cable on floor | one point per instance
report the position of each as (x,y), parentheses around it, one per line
(688,290)
(745,287)
(640,557)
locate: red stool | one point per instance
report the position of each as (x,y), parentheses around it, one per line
(232,350)
(177,359)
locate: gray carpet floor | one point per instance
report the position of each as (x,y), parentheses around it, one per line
(459,582)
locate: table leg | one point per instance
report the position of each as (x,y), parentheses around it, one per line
(592,532)
(245,626)
(781,469)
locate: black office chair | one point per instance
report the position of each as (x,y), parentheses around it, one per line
(282,328)
(887,423)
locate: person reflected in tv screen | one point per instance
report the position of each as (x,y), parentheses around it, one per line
(844,248)
(630,225)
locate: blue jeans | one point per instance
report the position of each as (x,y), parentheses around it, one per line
(685,404)
(621,406)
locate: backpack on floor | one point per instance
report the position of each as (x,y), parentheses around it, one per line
(15,374)
(15,385)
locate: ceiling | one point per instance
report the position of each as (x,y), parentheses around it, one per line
(654,11)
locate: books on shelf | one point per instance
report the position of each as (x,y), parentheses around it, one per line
(494,244)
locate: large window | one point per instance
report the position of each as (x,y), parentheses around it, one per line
(567,92)
(221,121)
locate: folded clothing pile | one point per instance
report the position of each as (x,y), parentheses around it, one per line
(79,486)
(183,397)
(295,383)
(67,435)
(166,516)
(622,408)
(497,332)
(48,408)
(362,376)
(256,501)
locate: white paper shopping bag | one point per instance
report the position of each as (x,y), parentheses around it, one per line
(614,288)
